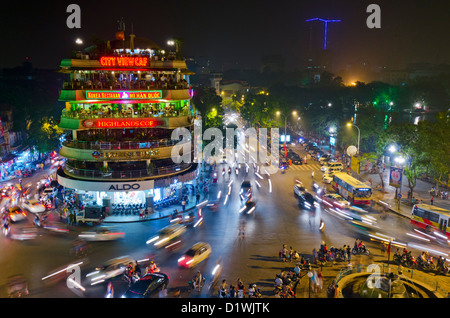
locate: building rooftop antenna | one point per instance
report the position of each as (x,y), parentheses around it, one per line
(325,21)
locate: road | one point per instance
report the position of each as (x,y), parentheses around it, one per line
(253,258)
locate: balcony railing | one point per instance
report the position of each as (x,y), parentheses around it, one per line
(133,85)
(126,174)
(89,114)
(119,145)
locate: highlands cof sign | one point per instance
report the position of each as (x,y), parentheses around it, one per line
(123,122)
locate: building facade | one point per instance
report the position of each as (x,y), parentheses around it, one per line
(121,107)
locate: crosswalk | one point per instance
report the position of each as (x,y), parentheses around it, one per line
(307,167)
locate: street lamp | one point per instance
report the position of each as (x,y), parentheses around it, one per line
(294,113)
(359,133)
(79,41)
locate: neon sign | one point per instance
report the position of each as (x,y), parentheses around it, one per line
(123,61)
(123,94)
(122,123)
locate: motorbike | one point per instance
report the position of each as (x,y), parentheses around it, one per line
(215,275)
(425,265)
(6,230)
(408,260)
(193,285)
(360,250)
(253,291)
(442,268)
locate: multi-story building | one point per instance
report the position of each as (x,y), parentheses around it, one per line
(121,108)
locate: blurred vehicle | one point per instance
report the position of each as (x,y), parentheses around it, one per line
(90,214)
(17,286)
(355,191)
(324,158)
(15,214)
(33,206)
(335,200)
(369,230)
(149,286)
(327,177)
(49,192)
(110,269)
(248,208)
(306,199)
(195,255)
(56,227)
(246,192)
(295,158)
(332,166)
(167,234)
(24,234)
(358,214)
(432,219)
(101,234)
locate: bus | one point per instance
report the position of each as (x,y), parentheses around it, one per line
(431,218)
(355,191)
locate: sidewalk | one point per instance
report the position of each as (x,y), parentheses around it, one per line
(421,192)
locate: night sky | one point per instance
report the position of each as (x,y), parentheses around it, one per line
(233,32)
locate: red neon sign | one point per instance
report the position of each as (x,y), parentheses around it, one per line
(124,61)
(122,123)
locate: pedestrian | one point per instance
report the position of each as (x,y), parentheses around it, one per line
(183,204)
(349,253)
(197,198)
(432,199)
(320,280)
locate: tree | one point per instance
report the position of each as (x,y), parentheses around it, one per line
(410,147)
(436,145)
(209,105)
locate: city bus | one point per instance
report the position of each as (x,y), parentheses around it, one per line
(430,217)
(355,191)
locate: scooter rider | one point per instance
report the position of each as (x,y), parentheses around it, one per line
(197,280)
(322,225)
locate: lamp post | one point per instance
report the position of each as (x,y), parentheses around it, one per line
(294,113)
(359,133)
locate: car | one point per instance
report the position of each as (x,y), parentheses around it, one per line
(149,286)
(332,165)
(196,254)
(328,177)
(101,234)
(110,269)
(246,192)
(295,158)
(335,200)
(305,199)
(49,192)
(166,235)
(16,214)
(298,187)
(325,158)
(358,214)
(33,206)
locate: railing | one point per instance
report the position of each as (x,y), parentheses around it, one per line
(88,114)
(406,273)
(138,85)
(119,145)
(126,174)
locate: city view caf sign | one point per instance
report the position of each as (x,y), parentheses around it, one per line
(124,61)
(123,122)
(124,94)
